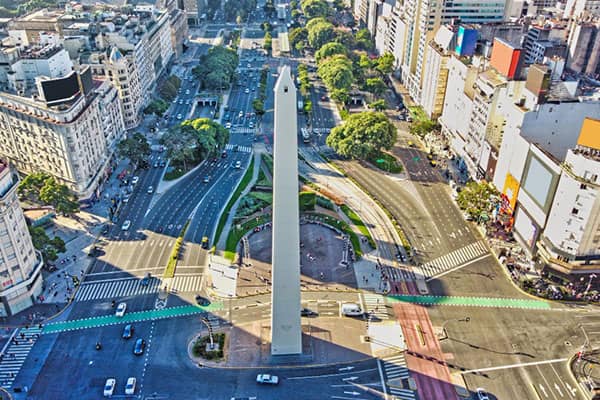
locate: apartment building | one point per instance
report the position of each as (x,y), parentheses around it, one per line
(544,41)
(584,48)
(581,9)
(20,264)
(570,241)
(62,129)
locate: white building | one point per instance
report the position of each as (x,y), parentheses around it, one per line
(20,265)
(65,130)
(571,239)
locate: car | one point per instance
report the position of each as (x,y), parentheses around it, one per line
(130,386)
(323,98)
(126,225)
(205,242)
(135,180)
(175,101)
(249,65)
(156,164)
(162,163)
(227,117)
(251,125)
(246,90)
(121,310)
(237,165)
(179,116)
(240,114)
(307,312)
(187,91)
(109,387)
(202,301)
(224,154)
(254,89)
(228,125)
(126,199)
(482,394)
(139,347)
(150,190)
(181,102)
(128,331)
(267,379)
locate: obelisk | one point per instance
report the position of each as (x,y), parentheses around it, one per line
(286,331)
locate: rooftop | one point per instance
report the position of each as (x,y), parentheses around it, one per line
(589,136)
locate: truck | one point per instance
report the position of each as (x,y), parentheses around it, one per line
(305,135)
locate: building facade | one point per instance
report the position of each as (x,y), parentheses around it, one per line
(20,264)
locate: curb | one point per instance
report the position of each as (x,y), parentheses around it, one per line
(570,365)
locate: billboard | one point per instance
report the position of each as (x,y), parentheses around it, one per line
(59,90)
(539,182)
(511,190)
(506,58)
(466,41)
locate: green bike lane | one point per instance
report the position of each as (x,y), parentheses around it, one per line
(183,311)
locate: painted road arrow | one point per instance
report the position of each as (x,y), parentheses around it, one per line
(346,369)
(352,393)
(352,378)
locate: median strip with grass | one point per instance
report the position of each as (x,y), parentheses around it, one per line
(241,187)
(172,263)
(358,222)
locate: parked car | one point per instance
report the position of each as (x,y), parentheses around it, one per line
(139,347)
(267,379)
(130,386)
(228,125)
(202,301)
(128,331)
(179,116)
(109,387)
(482,394)
(121,310)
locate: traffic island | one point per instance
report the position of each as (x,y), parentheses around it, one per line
(203,350)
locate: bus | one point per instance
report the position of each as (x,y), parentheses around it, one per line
(305,135)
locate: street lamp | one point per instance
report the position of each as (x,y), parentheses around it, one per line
(444,333)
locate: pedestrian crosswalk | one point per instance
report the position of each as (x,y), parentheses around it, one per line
(242,129)
(134,287)
(375,305)
(396,377)
(243,149)
(398,274)
(452,260)
(15,354)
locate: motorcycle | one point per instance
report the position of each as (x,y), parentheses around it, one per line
(98,346)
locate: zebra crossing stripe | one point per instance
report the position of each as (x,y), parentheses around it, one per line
(16,355)
(453,259)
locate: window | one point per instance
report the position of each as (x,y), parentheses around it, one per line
(583,186)
(575,211)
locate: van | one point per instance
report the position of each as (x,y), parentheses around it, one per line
(351,310)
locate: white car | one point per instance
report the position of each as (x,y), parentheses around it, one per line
(150,190)
(267,379)
(135,180)
(187,91)
(238,165)
(130,387)
(482,394)
(228,125)
(126,225)
(246,90)
(121,309)
(109,387)
(126,199)
(180,101)
(179,116)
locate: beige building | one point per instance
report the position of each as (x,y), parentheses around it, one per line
(20,264)
(64,130)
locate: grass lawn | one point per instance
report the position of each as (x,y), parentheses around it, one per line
(386,162)
(174,173)
(243,183)
(356,220)
(235,235)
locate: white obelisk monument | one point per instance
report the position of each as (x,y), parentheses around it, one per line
(286,331)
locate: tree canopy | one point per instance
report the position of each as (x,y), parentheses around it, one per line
(476,198)
(329,49)
(385,63)
(336,72)
(376,86)
(362,135)
(168,89)
(216,69)
(268,44)
(194,140)
(136,148)
(320,32)
(41,187)
(314,8)
(48,247)
(363,40)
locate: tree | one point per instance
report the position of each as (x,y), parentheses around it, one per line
(344,37)
(194,140)
(216,69)
(340,95)
(266,26)
(268,44)
(48,247)
(136,148)
(319,32)
(385,63)
(258,106)
(329,49)
(363,135)
(376,86)
(157,107)
(422,126)
(295,14)
(476,198)
(314,8)
(378,105)
(363,40)
(168,89)
(41,187)
(307,107)
(336,72)
(297,35)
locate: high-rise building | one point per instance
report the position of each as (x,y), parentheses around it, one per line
(584,48)
(20,264)
(64,128)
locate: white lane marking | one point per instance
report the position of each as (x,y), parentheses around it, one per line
(556,360)
(329,375)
